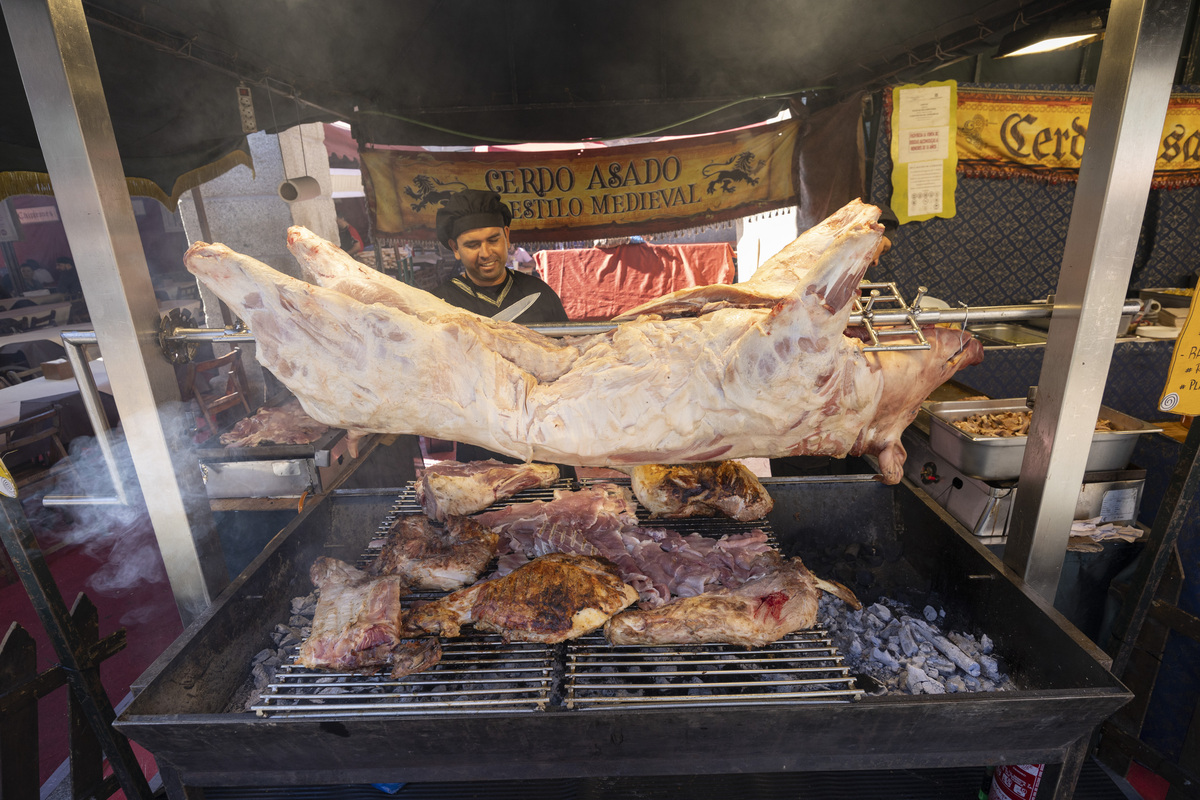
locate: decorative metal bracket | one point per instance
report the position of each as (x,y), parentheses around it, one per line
(176,350)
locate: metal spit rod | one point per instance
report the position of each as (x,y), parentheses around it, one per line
(912,315)
(77,342)
(964,315)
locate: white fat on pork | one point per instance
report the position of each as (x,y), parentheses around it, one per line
(733,383)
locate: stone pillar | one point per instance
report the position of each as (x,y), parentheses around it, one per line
(244,211)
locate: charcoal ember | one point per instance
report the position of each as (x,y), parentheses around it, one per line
(930,613)
(881,611)
(262,655)
(990,668)
(908,644)
(985,644)
(885,658)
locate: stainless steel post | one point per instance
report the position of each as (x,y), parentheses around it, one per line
(62,82)
(1141,48)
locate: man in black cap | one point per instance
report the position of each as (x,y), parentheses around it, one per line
(474,224)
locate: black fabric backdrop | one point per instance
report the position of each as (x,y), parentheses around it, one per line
(459,72)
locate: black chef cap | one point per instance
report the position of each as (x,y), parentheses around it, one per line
(468,210)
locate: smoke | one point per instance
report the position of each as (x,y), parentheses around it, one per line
(119,537)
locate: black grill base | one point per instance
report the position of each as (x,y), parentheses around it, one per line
(901,784)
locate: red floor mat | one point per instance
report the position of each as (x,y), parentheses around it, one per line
(110,554)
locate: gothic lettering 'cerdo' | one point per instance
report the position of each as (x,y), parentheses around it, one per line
(1021,138)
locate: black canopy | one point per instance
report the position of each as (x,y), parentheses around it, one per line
(459,72)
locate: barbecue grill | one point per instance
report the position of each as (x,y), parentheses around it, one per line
(589,713)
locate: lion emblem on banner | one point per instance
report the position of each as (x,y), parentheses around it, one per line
(431,191)
(739,169)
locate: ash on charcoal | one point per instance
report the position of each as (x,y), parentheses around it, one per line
(285,638)
(905,651)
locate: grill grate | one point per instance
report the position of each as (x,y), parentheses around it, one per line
(481,673)
(476,673)
(801,667)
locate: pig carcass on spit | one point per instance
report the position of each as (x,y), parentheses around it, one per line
(735,382)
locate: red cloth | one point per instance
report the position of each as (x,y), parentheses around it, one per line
(600,282)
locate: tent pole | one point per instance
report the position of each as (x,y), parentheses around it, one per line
(1133,87)
(62,83)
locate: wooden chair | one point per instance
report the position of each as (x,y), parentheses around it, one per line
(33,446)
(15,376)
(78,313)
(218,385)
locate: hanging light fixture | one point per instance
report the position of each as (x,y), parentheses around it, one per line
(1042,37)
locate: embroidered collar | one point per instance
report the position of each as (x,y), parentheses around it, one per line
(466,286)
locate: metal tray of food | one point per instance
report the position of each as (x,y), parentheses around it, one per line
(996,458)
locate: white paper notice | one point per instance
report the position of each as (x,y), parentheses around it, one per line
(924,144)
(927,107)
(924,188)
(923,138)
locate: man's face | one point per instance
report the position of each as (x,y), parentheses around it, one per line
(483,252)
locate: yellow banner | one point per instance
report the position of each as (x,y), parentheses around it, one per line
(1181,395)
(591,192)
(1041,134)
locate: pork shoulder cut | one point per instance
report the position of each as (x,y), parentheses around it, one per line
(551,599)
(449,488)
(728,488)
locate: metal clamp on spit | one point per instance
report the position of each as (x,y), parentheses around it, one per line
(882,315)
(177,336)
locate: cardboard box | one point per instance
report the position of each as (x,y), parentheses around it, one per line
(57,370)
(1172,317)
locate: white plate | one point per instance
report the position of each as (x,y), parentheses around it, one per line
(1157,332)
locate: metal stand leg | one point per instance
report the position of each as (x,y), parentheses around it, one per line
(81,667)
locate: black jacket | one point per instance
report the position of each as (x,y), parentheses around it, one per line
(487,301)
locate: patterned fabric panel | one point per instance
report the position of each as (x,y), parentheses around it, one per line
(1135,376)
(1005,244)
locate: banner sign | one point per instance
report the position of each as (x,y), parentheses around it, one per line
(593,192)
(923,152)
(1041,134)
(1181,395)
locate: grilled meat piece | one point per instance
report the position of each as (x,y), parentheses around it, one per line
(452,489)
(777,380)
(701,490)
(441,557)
(357,623)
(283,424)
(551,599)
(754,614)
(601,521)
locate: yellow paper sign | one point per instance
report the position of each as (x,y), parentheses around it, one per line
(8,487)
(924,154)
(1181,395)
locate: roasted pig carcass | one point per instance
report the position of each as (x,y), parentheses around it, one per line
(736,382)
(282,424)
(754,614)
(551,599)
(436,556)
(701,490)
(449,488)
(357,624)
